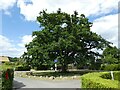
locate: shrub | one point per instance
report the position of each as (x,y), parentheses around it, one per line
(7,79)
(70,66)
(95,66)
(79,67)
(59,67)
(42,67)
(116,75)
(111,67)
(22,68)
(94,80)
(7,63)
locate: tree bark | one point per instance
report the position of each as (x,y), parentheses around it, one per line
(64,68)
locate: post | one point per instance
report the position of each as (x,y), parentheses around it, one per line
(112,75)
(55,67)
(55,61)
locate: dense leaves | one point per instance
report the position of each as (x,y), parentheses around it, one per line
(64,37)
(7,76)
(111,55)
(100,80)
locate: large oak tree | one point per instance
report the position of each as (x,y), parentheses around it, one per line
(64,37)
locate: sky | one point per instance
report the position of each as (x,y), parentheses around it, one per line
(18,20)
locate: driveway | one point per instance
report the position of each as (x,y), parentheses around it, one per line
(21,83)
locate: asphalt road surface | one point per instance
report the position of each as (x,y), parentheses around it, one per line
(23,83)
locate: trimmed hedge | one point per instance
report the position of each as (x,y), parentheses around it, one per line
(116,75)
(95,80)
(7,79)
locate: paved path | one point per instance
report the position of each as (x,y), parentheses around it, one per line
(20,82)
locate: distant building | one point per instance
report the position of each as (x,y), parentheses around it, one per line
(4,59)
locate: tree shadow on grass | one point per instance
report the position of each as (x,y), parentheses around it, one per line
(17,85)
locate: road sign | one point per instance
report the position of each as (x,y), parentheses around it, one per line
(55,60)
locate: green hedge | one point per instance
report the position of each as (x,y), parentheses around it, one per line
(94,80)
(7,79)
(116,75)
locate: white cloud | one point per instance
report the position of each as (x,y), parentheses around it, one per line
(10,48)
(25,40)
(6,47)
(87,7)
(5,5)
(107,27)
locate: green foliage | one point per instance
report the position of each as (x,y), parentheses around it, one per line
(64,37)
(94,80)
(8,63)
(22,68)
(116,75)
(42,67)
(3,67)
(111,67)
(111,55)
(7,79)
(96,65)
(13,59)
(80,66)
(106,76)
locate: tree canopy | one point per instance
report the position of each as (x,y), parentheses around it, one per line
(64,37)
(111,55)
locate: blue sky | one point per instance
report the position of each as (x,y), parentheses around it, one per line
(14,26)
(18,20)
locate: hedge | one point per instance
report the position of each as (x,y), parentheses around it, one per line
(116,75)
(7,79)
(95,80)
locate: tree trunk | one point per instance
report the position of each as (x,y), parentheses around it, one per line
(64,64)
(64,68)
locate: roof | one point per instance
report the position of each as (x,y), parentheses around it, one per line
(4,59)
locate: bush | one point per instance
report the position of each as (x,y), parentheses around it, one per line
(94,80)
(116,75)
(70,66)
(111,67)
(22,68)
(79,66)
(7,79)
(95,66)
(42,67)
(7,63)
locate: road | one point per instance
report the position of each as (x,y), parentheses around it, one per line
(20,83)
